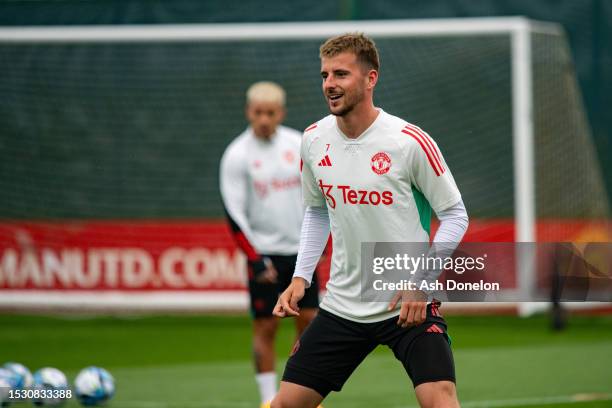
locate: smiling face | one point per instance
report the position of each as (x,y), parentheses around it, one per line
(346,82)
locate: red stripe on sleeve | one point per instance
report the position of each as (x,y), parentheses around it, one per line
(245,245)
(429,143)
(427,153)
(314,125)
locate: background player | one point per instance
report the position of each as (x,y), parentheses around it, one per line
(376,177)
(260,186)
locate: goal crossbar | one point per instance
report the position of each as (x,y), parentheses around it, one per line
(270,31)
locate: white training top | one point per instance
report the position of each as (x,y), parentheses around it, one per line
(260,186)
(379,187)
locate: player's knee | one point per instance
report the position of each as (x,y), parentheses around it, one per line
(280,402)
(446,395)
(276,403)
(265,329)
(295,396)
(440,394)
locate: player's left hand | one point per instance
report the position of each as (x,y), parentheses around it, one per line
(287,304)
(414,307)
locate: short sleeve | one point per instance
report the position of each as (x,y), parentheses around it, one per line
(429,172)
(311,192)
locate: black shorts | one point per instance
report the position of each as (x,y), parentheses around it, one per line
(331,348)
(264,295)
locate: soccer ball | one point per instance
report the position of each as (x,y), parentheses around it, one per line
(94,386)
(24,377)
(8,381)
(50,379)
(5,388)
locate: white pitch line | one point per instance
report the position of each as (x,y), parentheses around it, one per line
(185,404)
(516,402)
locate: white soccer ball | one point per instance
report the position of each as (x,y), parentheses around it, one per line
(94,386)
(8,382)
(5,388)
(51,381)
(25,379)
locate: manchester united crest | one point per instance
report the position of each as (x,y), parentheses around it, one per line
(289,156)
(381,163)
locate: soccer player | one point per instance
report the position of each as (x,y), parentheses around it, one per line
(374,178)
(260,187)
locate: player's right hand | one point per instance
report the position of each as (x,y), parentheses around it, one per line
(287,304)
(269,275)
(414,307)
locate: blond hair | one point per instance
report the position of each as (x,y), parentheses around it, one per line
(266,91)
(356,43)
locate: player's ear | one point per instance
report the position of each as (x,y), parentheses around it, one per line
(372,78)
(282,114)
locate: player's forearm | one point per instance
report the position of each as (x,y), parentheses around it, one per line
(314,234)
(256,262)
(453,225)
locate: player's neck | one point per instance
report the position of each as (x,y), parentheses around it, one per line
(264,138)
(358,120)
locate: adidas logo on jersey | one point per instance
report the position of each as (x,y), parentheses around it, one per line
(434,329)
(325,162)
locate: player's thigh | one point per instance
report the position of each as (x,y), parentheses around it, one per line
(292,395)
(327,353)
(262,298)
(430,359)
(423,350)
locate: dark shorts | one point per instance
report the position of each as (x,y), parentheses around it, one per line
(331,348)
(264,295)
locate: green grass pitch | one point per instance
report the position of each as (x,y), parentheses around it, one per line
(204,361)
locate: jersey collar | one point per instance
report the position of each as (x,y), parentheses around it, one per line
(365,133)
(263,142)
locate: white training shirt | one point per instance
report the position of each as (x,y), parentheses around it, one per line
(379,187)
(260,186)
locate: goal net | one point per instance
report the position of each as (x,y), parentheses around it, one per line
(129,123)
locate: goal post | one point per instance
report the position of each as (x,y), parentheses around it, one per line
(172,95)
(523,146)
